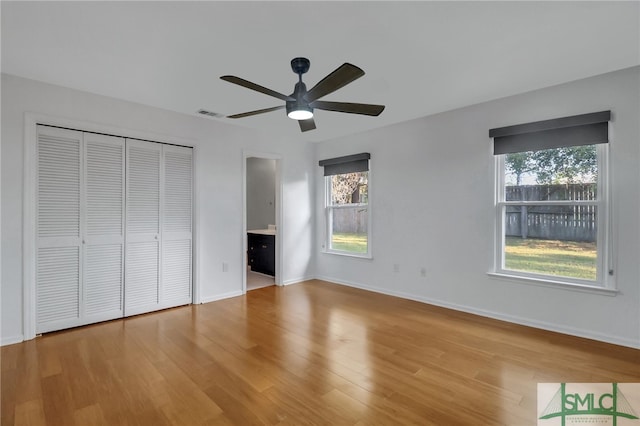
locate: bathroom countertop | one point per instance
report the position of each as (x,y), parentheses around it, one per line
(262,231)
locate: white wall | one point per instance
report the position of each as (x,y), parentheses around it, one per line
(410,162)
(432,193)
(219,156)
(261,192)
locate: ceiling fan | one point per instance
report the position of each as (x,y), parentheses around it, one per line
(301,103)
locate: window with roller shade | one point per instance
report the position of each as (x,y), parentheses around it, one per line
(347,205)
(552,200)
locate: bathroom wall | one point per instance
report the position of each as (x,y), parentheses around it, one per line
(261,192)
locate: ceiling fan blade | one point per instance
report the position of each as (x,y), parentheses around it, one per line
(258,111)
(351,108)
(306,125)
(249,85)
(343,75)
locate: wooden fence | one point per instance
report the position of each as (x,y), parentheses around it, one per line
(566,223)
(350,221)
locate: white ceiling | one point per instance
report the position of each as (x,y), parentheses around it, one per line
(420,58)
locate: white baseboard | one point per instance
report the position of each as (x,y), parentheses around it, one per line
(11,340)
(616,340)
(297,280)
(221,296)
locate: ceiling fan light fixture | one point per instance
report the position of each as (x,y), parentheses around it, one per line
(298,111)
(300,114)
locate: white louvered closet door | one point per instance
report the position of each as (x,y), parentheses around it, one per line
(80,228)
(58,229)
(113,227)
(142,268)
(103,227)
(176,226)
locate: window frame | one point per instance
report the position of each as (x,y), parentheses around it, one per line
(604,266)
(329,208)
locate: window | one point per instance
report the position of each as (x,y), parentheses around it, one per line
(551,203)
(347,205)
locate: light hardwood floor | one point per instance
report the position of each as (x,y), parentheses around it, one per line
(306,354)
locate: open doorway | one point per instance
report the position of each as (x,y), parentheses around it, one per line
(261,213)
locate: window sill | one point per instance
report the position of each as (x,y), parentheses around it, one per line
(346,254)
(563,285)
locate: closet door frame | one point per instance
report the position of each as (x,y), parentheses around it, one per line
(30,134)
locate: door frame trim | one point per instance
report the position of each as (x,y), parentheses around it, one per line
(31,121)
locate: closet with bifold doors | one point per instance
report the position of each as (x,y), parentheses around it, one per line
(113,227)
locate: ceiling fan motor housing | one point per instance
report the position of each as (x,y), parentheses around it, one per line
(299,104)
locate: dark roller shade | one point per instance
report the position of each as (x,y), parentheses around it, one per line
(349,164)
(585,129)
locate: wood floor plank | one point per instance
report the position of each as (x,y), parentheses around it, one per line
(90,415)
(30,413)
(57,400)
(313,353)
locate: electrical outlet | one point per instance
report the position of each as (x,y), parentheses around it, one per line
(396,267)
(225,267)
(423,272)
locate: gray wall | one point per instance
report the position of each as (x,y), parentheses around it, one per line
(261,192)
(410,163)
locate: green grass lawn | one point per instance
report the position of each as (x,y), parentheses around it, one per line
(548,257)
(353,243)
(551,257)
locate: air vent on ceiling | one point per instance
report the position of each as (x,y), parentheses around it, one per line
(210,113)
